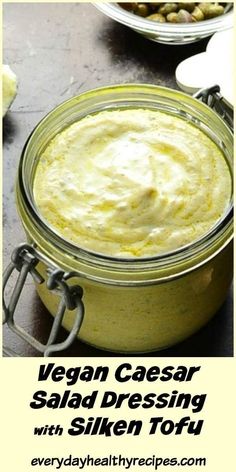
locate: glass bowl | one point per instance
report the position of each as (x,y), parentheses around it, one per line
(167,33)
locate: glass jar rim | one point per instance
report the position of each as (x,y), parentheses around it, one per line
(178,254)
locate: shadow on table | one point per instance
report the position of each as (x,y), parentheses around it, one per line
(123,44)
(9,129)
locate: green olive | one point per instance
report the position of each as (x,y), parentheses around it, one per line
(189,6)
(213,10)
(142,9)
(197,14)
(157,17)
(203,7)
(183,16)
(168,8)
(172,17)
(129,6)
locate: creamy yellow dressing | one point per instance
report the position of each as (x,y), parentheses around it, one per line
(132,183)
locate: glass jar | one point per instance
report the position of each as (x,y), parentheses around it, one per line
(129,305)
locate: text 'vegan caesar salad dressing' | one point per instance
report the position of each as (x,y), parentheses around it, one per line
(132,183)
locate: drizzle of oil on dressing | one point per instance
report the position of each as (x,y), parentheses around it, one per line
(132,183)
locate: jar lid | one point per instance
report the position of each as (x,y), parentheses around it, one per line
(214,66)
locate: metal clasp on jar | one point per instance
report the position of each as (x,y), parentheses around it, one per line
(24,260)
(213,98)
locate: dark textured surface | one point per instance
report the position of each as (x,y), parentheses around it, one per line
(57,51)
